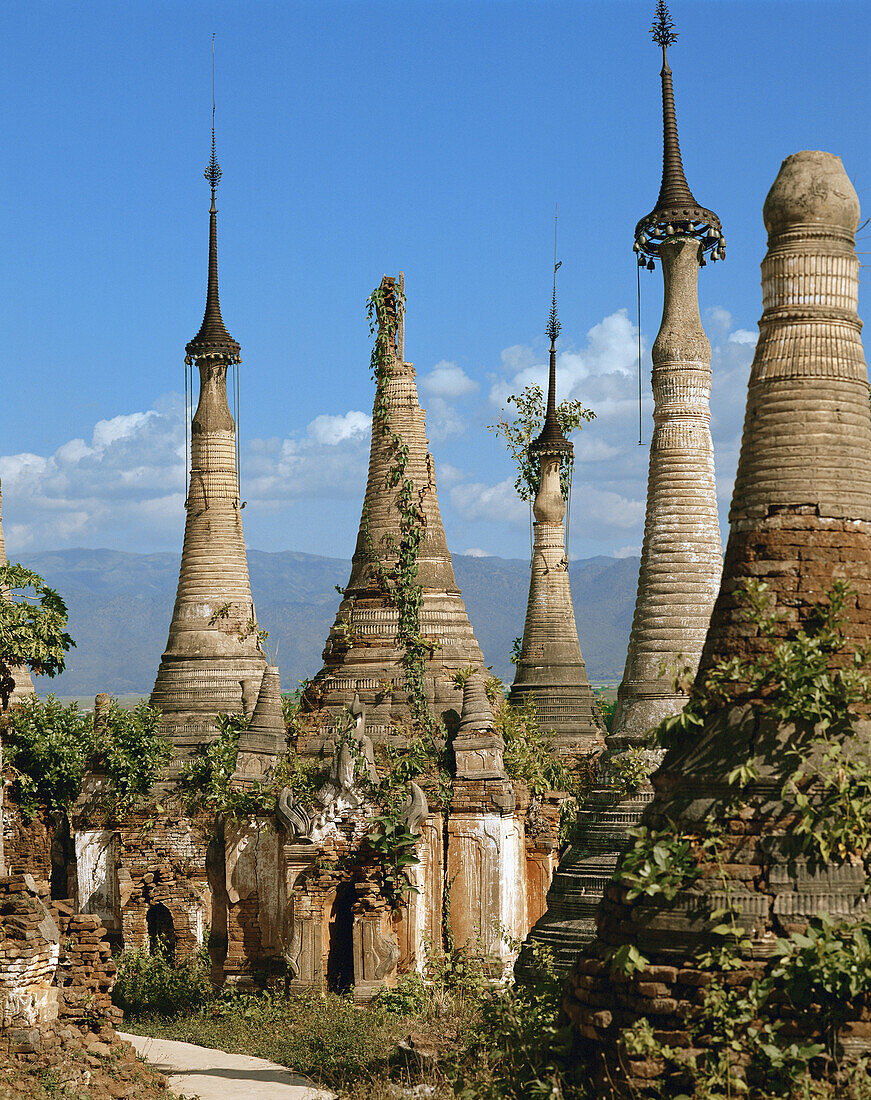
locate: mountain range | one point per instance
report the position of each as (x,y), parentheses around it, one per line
(120,606)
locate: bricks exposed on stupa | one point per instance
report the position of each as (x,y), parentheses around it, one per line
(680,556)
(362,654)
(551,669)
(800,519)
(213,654)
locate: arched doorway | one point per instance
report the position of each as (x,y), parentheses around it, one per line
(161,932)
(340,951)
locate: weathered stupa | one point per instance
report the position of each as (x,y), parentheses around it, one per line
(213,655)
(800,519)
(363,654)
(680,556)
(551,669)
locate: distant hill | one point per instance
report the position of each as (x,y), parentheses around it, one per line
(120,606)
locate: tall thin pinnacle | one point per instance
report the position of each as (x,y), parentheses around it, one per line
(551,437)
(676,210)
(213,340)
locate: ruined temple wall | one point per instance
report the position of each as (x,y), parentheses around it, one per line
(27,841)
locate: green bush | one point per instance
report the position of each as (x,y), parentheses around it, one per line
(48,746)
(45,750)
(150,985)
(407,997)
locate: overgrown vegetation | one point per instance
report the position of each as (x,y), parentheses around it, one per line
(812,681)
(520,431)
(204,782)
(447,1031)
(49,746)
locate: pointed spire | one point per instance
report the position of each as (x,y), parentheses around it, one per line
(676,212)
(213,341)
(551,439)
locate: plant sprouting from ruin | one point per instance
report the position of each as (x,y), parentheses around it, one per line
(520,431)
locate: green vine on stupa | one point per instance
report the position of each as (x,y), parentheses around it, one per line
(399,580)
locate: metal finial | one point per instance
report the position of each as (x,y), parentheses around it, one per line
(662,29)
(213,169)
(553,322)
(677,213)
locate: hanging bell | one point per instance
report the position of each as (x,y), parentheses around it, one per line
(650,265)
(636,247)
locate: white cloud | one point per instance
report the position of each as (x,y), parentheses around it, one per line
(126,486)
(492,503)
(611,349)
(443,420)
(332,430)
(475,552)
(448,380)
(743,336)
(628,552)
(718,321)
(448,474)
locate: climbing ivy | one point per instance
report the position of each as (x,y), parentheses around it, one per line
(400,583)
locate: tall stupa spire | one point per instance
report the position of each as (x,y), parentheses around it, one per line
(680,555)
(676,210)
(551,669)
(213,656)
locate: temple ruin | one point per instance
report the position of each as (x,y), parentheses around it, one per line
(213,660)
(551,670)
(680,555)
(800,519)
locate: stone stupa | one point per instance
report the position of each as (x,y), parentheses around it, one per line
(362,655)
(551,669)
(213,656)
(680,556)
(800,519)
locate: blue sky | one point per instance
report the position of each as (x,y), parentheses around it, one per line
(357,139)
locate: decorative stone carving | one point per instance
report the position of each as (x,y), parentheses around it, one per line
(342,792)
(264,741)
(477,746)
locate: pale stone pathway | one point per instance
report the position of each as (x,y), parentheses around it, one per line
(214,1075)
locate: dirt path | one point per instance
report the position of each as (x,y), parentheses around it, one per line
(213,1075)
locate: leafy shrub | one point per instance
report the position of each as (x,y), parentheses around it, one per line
(149,984)
(46,748)
(407,998)
(134,752)
(49,745)
(528,752)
